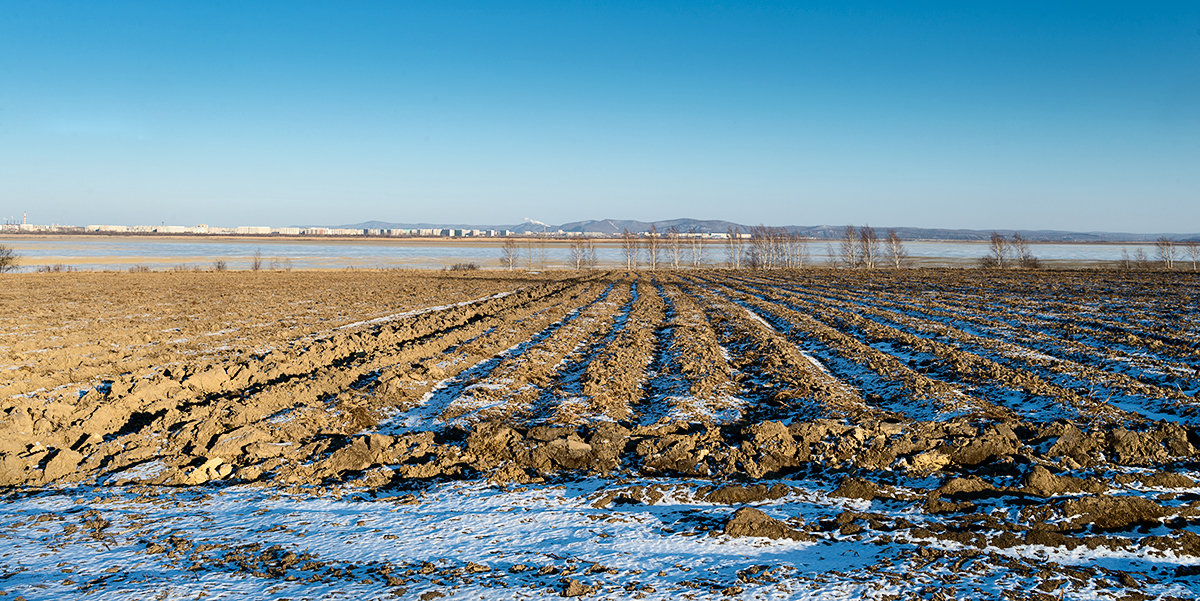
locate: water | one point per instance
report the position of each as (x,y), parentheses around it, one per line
(124,252)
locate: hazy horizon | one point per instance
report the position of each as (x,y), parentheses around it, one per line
(1079,117)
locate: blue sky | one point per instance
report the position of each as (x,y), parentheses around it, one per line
(1065,115)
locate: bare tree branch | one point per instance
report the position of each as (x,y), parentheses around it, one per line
(653,247)
(733,248)
(674,246)
(510,254)
(629,248)
(998,253)
(1165,249)
(590,254)
(1024,256)
(849,246)
(8,259)
(897,254)
(868,247)
(578,251)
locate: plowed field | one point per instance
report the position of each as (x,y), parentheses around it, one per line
(703,434)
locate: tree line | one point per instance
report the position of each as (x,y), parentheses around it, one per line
(1015,252)
(765,247)
(1168,254)
(762,247)
(1005,253)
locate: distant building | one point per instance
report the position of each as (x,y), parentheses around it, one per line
(252,229)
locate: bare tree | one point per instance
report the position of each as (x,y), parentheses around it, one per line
(8,259)
(1193,248)
(998,252)
(770,248)
(578,252)
(1125,263)
(896,252)
(1165,250)
(1024,256)
(696,247)
(590,254)
(733,248)
(848,244)
(758,254)
(868,247)
(776,247)
(796,250)
(510,254)
(783,249)
(653,246)
(256,262)
(674,246)
(629,248)
(1140,261)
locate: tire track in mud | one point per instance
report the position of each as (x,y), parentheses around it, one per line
(687,371)
(1119,390)
(476,363)
(885,381)
(614,380)
(563,402)
(660,387)
(263,408)
(1071,341)
(405,382)
(1022,392)
(692,378)
(788,382)
(1087,316)
(110,327)
(510,392)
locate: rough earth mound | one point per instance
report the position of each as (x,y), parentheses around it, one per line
(958,418)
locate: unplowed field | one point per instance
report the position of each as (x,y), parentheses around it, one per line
(826,434)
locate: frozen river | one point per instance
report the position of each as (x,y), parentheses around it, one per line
(123,252)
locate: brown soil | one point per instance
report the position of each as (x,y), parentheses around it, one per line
(306,377)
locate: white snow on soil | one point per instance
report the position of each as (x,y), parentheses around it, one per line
(93,543)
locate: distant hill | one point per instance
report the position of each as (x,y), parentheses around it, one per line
(820,232)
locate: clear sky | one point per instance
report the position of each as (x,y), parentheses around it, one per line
(1064,115)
